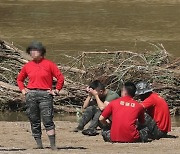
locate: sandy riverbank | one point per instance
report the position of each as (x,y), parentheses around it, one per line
(16,138)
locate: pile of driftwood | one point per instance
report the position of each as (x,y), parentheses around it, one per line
(11,61)
(113,68)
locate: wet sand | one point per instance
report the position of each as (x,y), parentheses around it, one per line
(16,138)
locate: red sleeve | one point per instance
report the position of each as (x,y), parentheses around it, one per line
(141,116)
(107,111)
(21,77)
(59,76)
(147,103)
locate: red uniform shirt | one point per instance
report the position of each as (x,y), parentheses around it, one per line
(125,112)
(158,109)
(40,75)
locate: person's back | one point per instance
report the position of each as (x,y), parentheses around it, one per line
(158,109)
(127,118)
(125,112)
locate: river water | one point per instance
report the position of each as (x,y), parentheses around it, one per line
(20,116)
(68,27)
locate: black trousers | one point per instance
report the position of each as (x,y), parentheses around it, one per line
(92,113)
(39,105)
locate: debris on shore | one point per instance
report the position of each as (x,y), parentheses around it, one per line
(113,68)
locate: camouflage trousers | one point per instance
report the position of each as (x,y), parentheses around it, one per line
(39,105)
(148,130)
(143,135)
(92,113)
(154,131)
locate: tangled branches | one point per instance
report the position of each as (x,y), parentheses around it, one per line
(11,61)
(112,68)
(159,68)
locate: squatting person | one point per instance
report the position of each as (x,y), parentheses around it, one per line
(157,118)
(98,98)
(39,93)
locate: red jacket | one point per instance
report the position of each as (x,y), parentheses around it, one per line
(40,75)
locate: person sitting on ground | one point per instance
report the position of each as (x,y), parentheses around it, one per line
(98,98)
(157,118)
(125,113)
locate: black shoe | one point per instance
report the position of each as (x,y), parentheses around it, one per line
(77,129)
(90,132)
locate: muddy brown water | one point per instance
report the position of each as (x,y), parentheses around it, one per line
(20,116)
(67,27)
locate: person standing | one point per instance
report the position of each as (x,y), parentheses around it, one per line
(39,93)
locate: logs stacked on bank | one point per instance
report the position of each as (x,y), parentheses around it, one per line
(11,61)
(159,68)
(113,68)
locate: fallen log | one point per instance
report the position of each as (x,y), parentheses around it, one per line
(176,62)
(113,68)
(23,61)
(9,87)
(71,69)
(15,49)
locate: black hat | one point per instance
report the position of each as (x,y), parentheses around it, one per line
(35,45)
(143,87)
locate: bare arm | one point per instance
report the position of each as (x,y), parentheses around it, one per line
(86,102)
(102,120)
(100,104)
(105,114)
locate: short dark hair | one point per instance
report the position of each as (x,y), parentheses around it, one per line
(35,45)
(130,88)
(96,84)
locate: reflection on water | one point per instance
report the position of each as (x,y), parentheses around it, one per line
(20,116)
(68,26)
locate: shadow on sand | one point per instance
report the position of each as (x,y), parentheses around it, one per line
(68,148)
(171,136)
(12,149)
